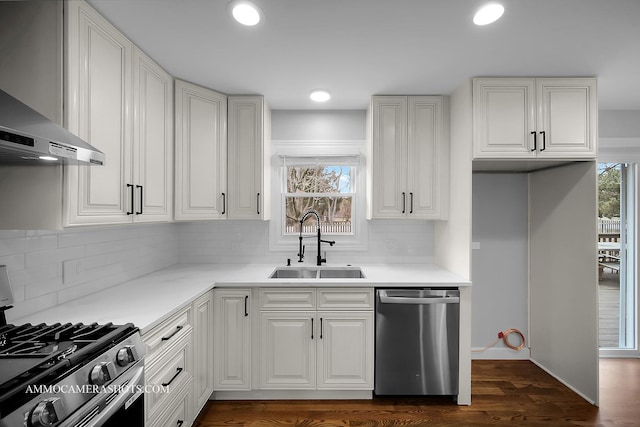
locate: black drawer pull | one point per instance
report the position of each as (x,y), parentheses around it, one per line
(178,371)
(404,201)
(534,141)
(224,203)
(179,423)
(167,338)
(321,328)
(544,141)
(141,199)
(130,212)
(312,328)
(246,305)
(258,204)
(411,204)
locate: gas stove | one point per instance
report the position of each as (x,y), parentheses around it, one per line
(69,374)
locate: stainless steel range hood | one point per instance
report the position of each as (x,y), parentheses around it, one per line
(29,138)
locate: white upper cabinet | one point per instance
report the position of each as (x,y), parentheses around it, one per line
(249,123)
(408,167)
(119,101)
(152,140)
(527,118)
(201,153)
(98,101)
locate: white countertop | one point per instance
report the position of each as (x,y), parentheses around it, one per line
(148,300)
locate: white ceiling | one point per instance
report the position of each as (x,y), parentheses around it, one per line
(357,48)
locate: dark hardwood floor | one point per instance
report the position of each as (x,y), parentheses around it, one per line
(504,393)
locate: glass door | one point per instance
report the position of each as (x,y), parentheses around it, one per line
(617,258)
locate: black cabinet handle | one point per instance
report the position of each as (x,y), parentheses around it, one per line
(404,201)
(246,305)
(258,203)
(321,328)
(312,328)
(141,198)
(411,204)
(168,337)
(544,141)
(130,212)
(534,141)
(224,203)
(178,371)
(179,423)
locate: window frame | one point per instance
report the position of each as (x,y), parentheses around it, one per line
(358,239)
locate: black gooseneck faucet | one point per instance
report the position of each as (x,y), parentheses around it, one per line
(305,215)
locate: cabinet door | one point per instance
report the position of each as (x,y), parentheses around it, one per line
(567,116)
(153,140)
(428,157)
(345,350)
(232,339)
(247,154)
(504,115)
(201,152)
(288,350)
(389,196)
(202,350)
(98,99)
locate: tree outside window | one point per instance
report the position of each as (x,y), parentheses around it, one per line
(326,189)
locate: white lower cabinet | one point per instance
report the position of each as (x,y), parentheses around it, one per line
(202,350)
(345,351)
(177,413)
(169,367)
(178,365)
(316,349)
(232,339)
(288,350)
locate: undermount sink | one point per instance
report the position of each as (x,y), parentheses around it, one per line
(317,273)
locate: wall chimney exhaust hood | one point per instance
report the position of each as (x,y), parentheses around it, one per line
(29,138)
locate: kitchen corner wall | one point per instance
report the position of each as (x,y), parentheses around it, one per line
(47,268)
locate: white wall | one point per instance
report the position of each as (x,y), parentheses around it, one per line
(499,262)
(47,268)
(619,123)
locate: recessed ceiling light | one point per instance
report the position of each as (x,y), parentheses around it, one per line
(320,95)
(488,13)
(245,12)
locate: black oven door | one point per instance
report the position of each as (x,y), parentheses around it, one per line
(121,403)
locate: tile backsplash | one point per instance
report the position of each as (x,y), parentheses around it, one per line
(390,241)
(47,268)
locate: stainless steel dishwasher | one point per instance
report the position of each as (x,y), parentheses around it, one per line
(417,334)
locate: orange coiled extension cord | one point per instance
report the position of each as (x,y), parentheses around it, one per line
(504,336)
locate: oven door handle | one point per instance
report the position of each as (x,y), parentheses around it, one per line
(133,391)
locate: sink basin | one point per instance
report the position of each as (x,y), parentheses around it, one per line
(341,273)
(317,273)
(294,273)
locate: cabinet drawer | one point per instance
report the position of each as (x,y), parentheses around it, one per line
(178,412)
(345,298)
(166,332)
(287,299)
(170,369)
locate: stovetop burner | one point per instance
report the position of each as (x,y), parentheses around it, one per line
(42,354)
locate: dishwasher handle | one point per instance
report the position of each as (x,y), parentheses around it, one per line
(386,299)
